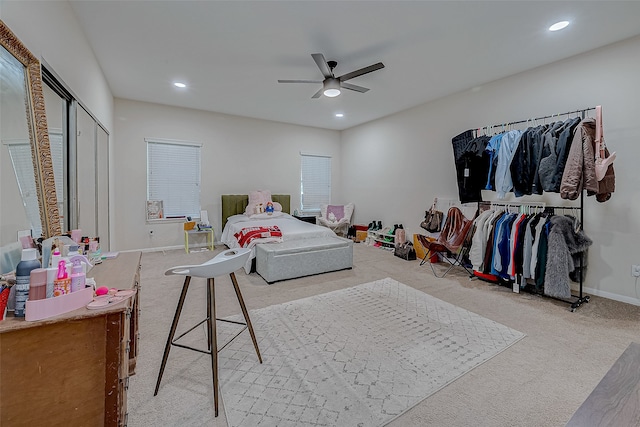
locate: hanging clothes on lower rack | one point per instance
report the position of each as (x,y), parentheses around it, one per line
(540,250)
(566,245)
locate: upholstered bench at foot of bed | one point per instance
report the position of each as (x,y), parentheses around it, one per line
(298,258)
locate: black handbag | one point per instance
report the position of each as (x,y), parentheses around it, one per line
(432,219)
(405,251)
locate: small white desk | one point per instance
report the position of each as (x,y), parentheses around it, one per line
(207,232)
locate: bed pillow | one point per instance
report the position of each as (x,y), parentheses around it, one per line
(260,197)
(336,210)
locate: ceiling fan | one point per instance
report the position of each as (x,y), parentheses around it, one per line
(331,85)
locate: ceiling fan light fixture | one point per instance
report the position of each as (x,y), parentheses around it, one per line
(331,88)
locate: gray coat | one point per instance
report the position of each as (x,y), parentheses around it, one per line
(565,246)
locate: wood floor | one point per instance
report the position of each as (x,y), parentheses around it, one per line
(616,399)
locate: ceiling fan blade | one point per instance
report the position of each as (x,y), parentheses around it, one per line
(299,81)
(317,94)
(361,71)
(322,64)
(353,87)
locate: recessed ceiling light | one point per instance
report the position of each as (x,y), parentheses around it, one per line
(559,25)
(179,84)
(339,115)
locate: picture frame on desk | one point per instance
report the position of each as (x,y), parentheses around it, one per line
(155,210)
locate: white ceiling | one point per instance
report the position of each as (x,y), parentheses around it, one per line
(231,53)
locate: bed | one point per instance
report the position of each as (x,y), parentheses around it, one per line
(286,247)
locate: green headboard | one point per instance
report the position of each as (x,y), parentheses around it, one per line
(233,204)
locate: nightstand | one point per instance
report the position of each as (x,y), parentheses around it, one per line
(310,219)
(208,232)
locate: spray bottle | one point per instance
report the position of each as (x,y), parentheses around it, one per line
(62,283)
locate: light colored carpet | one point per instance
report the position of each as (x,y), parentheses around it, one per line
(359,356)
(539,382)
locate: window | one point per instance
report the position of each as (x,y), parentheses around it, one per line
(20,152)
(173,177)
(315,182)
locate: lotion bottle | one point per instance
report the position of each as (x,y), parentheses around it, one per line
(77,276)
(38,284)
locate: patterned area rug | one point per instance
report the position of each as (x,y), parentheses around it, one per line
(360,356)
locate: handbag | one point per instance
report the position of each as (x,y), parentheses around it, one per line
(602,162)
(405,251)
(432,219)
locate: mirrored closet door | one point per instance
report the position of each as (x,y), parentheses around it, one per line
(80,153)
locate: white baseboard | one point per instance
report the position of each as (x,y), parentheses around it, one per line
(169,248)
(609,295)
(159,249)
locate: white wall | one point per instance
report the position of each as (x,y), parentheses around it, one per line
(51,32)
(405,160)
(238,155)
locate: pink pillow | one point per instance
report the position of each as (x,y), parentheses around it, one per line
(338,211)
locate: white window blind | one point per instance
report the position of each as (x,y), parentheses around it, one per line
(173,176)
(22,162)
(315,182)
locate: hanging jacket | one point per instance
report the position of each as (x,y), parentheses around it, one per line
(564,246)
(521,172)
(563,146)
(471,165)
(479,239)
(508,146)
(547,166)
(493,146)
(579,171)
(538,154)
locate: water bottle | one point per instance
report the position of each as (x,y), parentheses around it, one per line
(28,262)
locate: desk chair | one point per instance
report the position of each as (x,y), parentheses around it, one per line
(226,262)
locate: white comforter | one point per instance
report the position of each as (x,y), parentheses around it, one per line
(292,229)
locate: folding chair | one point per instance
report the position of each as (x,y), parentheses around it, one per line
(453,242)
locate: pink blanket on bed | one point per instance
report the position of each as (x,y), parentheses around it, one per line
(249,236)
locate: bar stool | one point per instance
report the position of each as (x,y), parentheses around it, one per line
(226,262)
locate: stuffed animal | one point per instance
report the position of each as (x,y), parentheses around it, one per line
(269,208)
(332,217)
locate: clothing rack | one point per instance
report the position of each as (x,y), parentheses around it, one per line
(489,128)
(580,298)
(540,207)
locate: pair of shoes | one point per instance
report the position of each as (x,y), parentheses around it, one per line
(351,234)
(396,227)
(375,226)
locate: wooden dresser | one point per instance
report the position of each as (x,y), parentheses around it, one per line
(73,369)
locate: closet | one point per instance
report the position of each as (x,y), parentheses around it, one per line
(512,240)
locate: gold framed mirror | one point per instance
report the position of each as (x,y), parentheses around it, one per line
(36,122)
